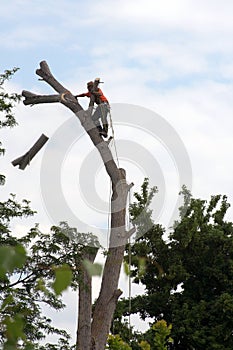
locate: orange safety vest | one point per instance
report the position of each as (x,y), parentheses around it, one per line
(101,96)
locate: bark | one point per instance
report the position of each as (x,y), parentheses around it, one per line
(32,99)
(109,293)
(24,160)
(85,302)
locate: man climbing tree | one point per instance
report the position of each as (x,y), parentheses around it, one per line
(96,96)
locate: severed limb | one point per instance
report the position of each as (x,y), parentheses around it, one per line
(24,160)
(32,99)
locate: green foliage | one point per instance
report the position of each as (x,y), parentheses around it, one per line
(188,275)
(92,269)
(11,257)
(140,213)
(116,343)
(144,345)
(162,332)
(7,101)
(26,275)
(63,278)
(52,263)
(14,330)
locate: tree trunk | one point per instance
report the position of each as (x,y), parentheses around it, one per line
(83,339)
(109,293)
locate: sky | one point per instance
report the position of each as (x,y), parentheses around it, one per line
(167,70)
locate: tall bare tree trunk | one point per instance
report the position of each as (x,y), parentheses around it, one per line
(83,339)
(92,335)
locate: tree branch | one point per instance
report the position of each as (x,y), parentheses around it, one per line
(32,99)
(24,160)
(45,73)
(72,103)
(18,281)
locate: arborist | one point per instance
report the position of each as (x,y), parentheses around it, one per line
(103,108)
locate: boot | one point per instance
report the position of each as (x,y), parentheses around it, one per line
(104,132)
(99,128)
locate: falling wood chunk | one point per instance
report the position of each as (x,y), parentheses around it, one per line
(24,160)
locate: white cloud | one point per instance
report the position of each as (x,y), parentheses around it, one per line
(188,15)
(173,57)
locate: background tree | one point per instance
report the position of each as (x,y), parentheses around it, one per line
(59,252)
(7,102)
(30,266)
(188,274)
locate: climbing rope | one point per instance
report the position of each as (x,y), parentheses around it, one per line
(113,136)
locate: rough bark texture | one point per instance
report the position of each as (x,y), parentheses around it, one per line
(109,293)
(83,340)
(24,160)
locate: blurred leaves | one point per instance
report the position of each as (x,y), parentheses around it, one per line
(92,269)
(63,278)
(11,257)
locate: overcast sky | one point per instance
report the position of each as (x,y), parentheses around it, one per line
(171,57)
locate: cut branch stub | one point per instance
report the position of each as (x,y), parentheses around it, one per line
(24,160)
(45,73)
(32,99)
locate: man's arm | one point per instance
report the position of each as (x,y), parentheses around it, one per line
(85,94)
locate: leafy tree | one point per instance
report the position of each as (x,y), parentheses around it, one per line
(7,102)
(188,274)
(161,332)
(25,281)
(52,264)
(34,269)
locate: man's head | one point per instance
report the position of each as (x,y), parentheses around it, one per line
(90,85)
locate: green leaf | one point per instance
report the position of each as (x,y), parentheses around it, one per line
(126,268)
(14,329)
(63,278)
(92,269)
(141,267)
(11,257)
(7,301)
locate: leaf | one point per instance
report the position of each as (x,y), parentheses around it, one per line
(141,267)
(92,269)
(11,257)
(7,301)
(63,278)
(126,268)
(14,329)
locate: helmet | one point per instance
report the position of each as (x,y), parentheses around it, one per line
(90,83)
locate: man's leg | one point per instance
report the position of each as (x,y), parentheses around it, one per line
(101,113)
(96,116)
(104,114)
